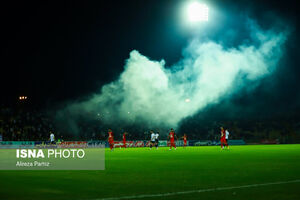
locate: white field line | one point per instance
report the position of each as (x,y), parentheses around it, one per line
(197,191)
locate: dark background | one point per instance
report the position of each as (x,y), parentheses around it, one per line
(54,51)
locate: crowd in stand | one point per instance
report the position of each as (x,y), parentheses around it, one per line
(22,125)
(31,125)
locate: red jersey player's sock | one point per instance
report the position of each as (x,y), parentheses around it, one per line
(173,145)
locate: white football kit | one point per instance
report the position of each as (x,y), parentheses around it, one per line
(226,134)
(52,137)
(153,137)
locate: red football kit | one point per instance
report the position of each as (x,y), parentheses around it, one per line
(124,140)
(223,138)
(184,140)
(172,139)
(222,135)
(111,139)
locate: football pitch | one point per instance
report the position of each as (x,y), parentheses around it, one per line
(242,172)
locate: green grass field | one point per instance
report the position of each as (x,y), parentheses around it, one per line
(139,171)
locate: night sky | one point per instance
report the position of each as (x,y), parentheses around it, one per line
(58,51)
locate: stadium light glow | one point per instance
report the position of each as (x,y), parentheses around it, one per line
(21,98)
(197,12)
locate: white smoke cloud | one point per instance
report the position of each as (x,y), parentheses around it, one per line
(148,92)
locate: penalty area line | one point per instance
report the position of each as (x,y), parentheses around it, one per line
(197,191)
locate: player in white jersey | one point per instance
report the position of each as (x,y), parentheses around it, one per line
(156,139)
(226,137)
(52,138)
(152,141)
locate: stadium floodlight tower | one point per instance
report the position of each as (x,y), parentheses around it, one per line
(197,12)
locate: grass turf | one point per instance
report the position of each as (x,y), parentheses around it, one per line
(135,171)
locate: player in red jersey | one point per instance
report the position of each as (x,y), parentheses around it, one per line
(184,137)
(111,139)
(124,139)
(223,138)
(172,136)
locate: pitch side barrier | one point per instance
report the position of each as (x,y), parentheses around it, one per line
(233,142)
(140,143)
(17,144)
(165,143)
(97,143)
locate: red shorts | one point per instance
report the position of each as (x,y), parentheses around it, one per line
(110,141)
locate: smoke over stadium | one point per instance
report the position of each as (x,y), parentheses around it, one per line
(151,93)
(145,99)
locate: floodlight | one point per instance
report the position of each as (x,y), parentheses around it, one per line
(197,12)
